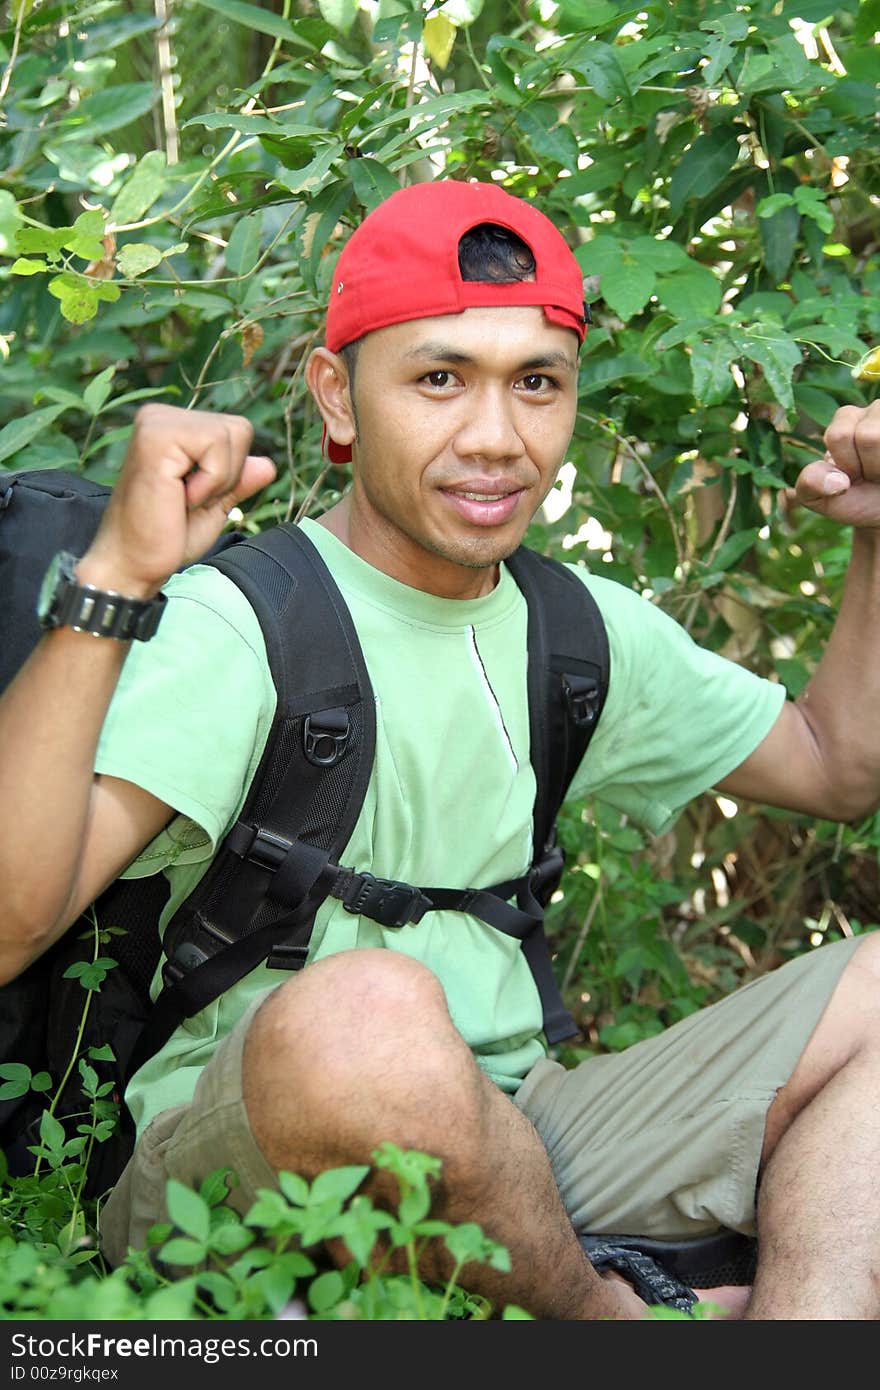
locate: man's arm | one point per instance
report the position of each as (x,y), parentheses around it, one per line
(822,755)
(68,833)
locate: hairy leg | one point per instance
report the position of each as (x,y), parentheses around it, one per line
(819,1194)
(359,1049)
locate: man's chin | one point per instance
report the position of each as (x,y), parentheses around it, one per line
(479,552)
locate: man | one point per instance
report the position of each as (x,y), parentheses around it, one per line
(449,376)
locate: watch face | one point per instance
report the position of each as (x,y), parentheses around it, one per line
(61,569)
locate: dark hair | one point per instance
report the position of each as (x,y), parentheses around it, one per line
(487,252)
(493,253)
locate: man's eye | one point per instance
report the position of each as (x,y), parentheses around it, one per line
(438,379)
(536,381)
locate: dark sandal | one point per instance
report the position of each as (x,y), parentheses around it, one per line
(649,1279)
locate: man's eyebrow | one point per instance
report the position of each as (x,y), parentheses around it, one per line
(442,352)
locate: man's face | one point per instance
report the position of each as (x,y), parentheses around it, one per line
(463,422)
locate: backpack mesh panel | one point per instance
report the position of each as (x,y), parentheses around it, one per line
(272,580)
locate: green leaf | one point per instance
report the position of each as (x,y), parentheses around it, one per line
(295,1188)
(243,249)
(183,1251)
(719,51)
(661,254)
(627,287)
(10,221)
(710,365)
(734,548)
(466,1242)
(325,212)
(255,17)
(819,405)
(309,177)
(340,13)
(326,1290)
(551,140)
(598,373)
(110,109)
(188,1210)
(811,202)
(78,297)
(600,68)
(779,237)
(372,182)
(435,110)
(84,237)
(257,125)
(337,1183)
(19,433)
(21,266)
(770,205)
(230,1238)
(141,189)
(601,254)
(17,1082)
(46,241)
(589,16)
(693,292)
(414,1205)
(51,1131)
(703,167)
(778,356)
(136,257)
(99,389)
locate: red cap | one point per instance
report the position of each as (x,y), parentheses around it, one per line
(402,263)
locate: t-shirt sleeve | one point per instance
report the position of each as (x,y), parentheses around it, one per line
(190,715)
(677,718)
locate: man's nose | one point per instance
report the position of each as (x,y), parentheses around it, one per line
(489,429)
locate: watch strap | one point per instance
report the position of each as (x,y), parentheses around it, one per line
(104,613)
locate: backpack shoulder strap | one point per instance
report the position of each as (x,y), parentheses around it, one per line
(568,674)
(258,899)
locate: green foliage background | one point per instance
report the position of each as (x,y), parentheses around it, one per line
(178,178)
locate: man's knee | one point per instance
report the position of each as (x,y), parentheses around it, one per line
(352,995)
(354,1023)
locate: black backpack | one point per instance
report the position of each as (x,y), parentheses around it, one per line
(257,900)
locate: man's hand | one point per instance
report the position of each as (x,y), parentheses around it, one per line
(845,484)
(184,471)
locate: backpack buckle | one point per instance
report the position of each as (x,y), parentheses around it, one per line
(325,736)
(581,695)
(185,958)
(546,875)
(385,901)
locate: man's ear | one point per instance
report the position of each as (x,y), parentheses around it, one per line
(327,379)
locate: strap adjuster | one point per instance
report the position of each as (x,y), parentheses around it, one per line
(581,694)
(267,850)
(546,875)
(385,901)
(325,736)
(187,957)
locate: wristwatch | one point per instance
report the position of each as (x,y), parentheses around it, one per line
(64,602)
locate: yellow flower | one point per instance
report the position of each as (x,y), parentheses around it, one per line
(869,367)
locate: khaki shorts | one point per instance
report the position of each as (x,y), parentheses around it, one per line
(662,1140)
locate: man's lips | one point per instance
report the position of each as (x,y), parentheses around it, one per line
(484,504)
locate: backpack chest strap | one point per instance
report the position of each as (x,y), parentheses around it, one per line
(299,876)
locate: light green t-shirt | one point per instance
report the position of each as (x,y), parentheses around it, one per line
(451,795)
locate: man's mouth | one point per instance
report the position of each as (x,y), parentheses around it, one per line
(480,496)
(482,507)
